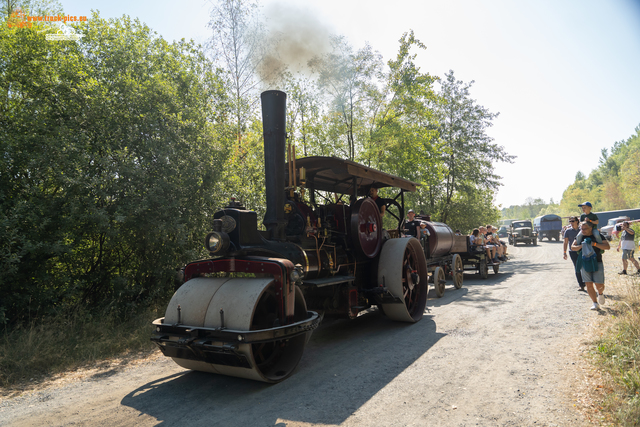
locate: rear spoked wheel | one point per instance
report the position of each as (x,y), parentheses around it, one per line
(458,271)
(403,270)
(483,269)
(439,281)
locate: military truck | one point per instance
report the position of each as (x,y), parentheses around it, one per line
(549,226)
(522,231)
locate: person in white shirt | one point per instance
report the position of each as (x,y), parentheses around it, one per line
(627,245)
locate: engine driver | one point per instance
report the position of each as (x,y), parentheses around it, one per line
(373,192)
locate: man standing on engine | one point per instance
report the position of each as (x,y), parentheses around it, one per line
(412,225)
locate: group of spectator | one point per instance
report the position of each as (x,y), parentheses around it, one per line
(586,247)
(582,234)
(581,237)
(482,238)
(486,238)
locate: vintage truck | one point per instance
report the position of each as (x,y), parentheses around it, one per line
(549,226)
(522,231)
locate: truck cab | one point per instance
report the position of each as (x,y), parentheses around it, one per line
(522,231)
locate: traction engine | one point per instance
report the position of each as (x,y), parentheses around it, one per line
(249,310)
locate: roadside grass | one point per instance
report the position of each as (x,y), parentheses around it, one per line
(617,350)
(29,354)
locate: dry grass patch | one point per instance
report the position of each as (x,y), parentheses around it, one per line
(614,385)
(33,355)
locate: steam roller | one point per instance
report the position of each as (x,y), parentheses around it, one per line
(249,309)
(231,326)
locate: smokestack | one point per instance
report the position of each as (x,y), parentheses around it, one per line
(274,117)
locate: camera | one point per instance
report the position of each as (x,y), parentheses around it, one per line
(618,227)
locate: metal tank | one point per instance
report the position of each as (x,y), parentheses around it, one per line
(440,239)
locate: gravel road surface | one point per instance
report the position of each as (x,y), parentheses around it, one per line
(498,352)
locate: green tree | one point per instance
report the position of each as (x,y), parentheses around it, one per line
(402,134)
(348,77)
(237,47)
(111,150)
(30,7)
(468,153)
(469,209)
(613,184)
(630,178)
(304,114)
(530,209)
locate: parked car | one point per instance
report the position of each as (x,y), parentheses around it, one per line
(503,231)
(608,230)
(618,228)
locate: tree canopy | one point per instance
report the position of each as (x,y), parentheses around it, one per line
(117,148)
(111,147)
(613,184)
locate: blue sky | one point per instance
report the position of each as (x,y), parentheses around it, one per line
(562,74)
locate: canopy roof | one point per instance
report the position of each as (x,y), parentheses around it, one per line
(337,175)
(548,217)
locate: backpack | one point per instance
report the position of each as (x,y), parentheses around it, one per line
(589,256)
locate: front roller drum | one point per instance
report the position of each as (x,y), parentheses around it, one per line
(403,271)
(247,304)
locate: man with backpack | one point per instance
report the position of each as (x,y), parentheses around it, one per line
(590,246)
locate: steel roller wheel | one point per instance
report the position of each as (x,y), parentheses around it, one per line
(439,281)
(458,271)
(247,304)
(403,270)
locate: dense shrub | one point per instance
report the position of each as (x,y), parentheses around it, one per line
(110,148)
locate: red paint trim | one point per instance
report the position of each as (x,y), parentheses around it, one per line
(280,268)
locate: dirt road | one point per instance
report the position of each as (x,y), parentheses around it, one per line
(498,352)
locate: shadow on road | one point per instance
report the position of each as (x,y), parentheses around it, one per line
(345,364)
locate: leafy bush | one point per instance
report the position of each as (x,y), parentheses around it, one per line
(111,148)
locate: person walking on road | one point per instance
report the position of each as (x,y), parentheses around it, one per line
(592,269)
(627,245)
(569,236)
